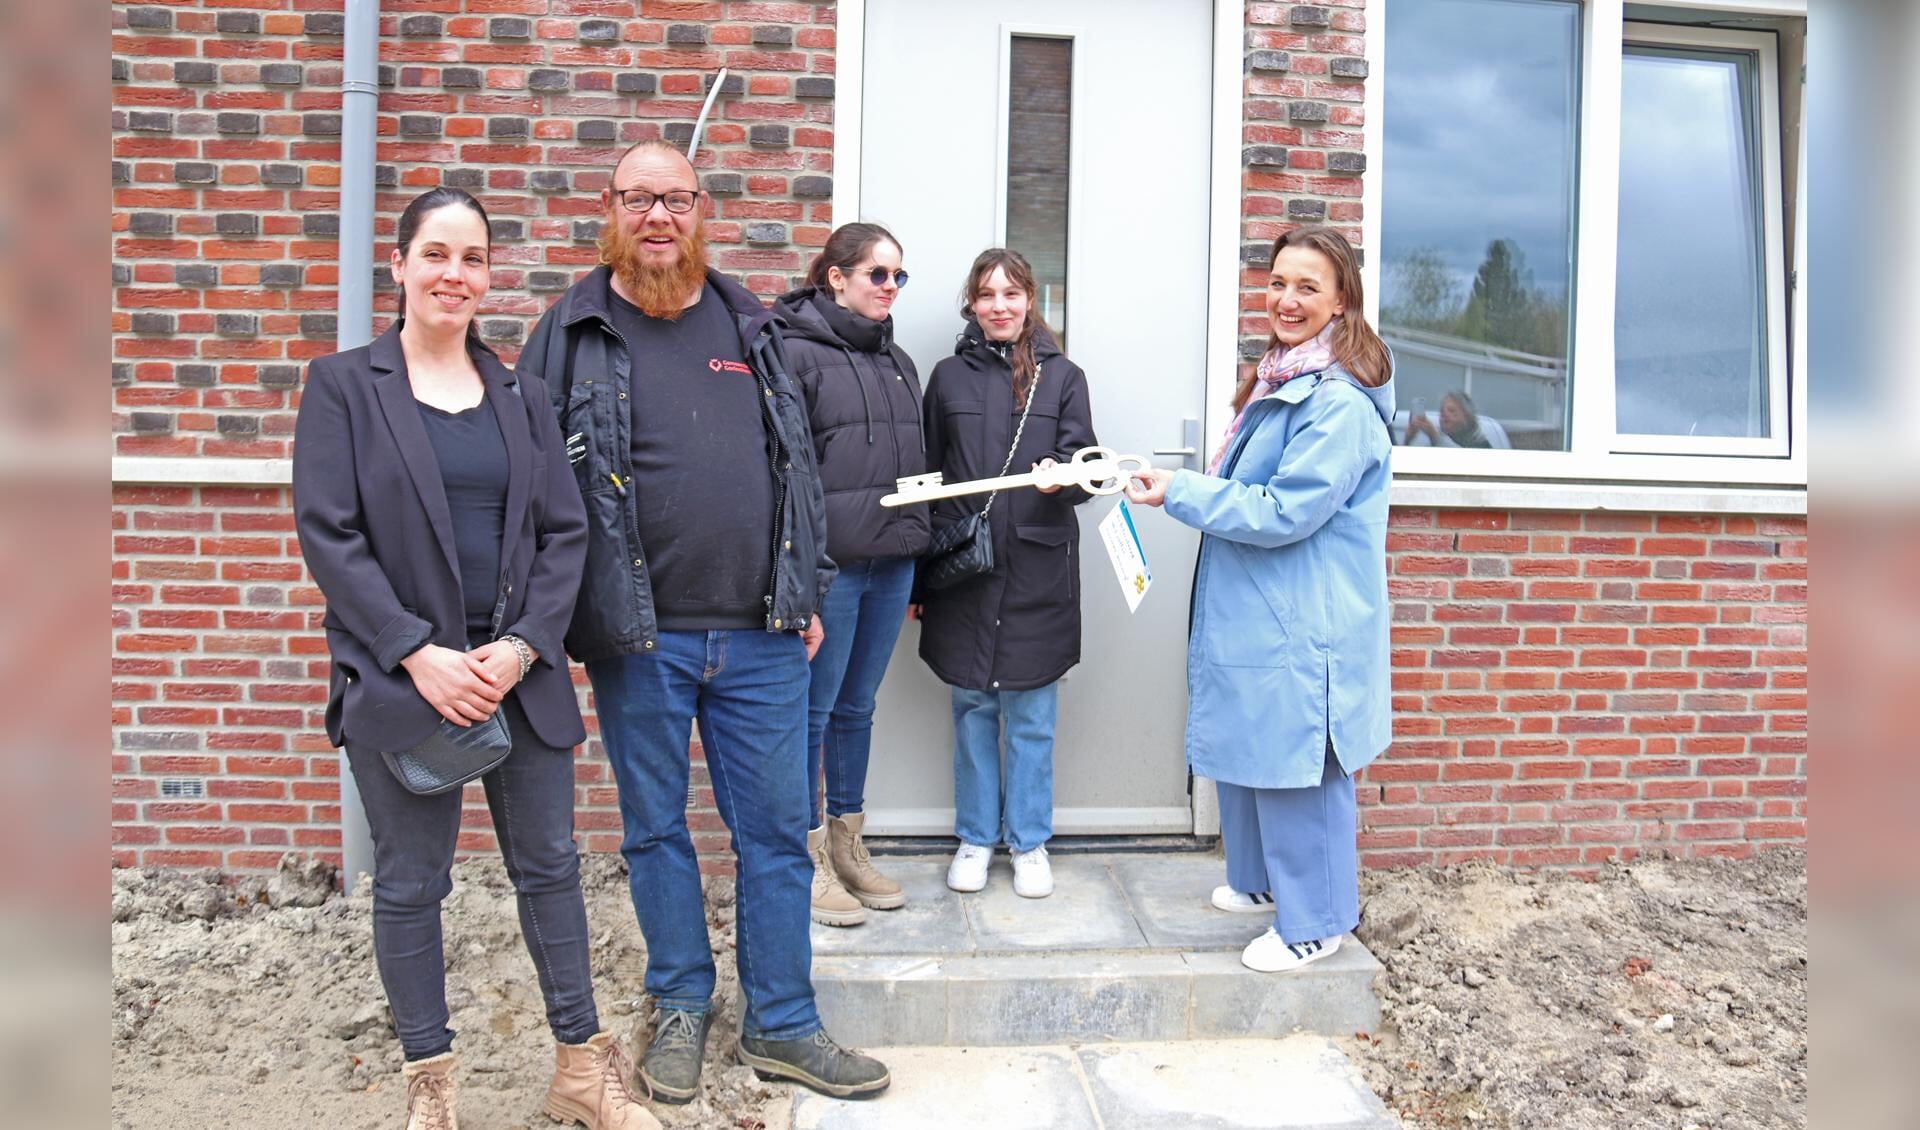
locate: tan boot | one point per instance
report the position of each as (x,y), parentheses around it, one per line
(855,867)
(431,1093)
(832,905)
(590,1087)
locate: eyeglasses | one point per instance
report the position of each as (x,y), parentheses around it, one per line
(879,275)
(639,200)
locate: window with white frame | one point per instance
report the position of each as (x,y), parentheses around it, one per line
(1584,259)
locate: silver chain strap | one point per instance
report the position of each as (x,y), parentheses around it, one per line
(1032,387)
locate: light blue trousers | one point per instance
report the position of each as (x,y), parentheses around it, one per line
(1300,846)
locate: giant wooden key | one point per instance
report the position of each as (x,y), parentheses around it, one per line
(1096,470)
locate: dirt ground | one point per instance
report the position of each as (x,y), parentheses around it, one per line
(1659,994)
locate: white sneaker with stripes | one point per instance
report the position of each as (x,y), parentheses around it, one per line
(1268,954)
(1241,902)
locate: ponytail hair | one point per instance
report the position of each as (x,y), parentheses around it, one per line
(408,226)
(1356,348)
(848,244)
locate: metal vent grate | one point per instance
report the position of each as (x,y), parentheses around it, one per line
(183,788)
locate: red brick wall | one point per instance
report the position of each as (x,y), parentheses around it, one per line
(1567,686)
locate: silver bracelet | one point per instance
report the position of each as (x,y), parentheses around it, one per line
(521,652)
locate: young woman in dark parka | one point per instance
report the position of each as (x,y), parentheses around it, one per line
(863,406)
(434,504)
(1003,639)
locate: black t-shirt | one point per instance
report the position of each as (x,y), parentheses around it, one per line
(473,467)
(703,478)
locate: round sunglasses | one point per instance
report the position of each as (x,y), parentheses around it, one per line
(878,276)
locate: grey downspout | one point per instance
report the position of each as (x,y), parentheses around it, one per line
(359,97)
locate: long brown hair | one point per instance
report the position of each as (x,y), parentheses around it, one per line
(848,244)
(1356,348)
(1020,357)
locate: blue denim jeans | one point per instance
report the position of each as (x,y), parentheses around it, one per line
(1301,846)
(414,837)
(862,614)
(748,691)
(1015,806)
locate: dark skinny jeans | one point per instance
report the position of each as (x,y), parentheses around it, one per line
(414,838)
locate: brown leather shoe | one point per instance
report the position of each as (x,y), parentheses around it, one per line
(431,1093)
(832,905)
(590,1087)
(855,867)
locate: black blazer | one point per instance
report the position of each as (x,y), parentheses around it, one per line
(377,535)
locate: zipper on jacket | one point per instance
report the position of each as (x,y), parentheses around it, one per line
(629,504)
(776,456)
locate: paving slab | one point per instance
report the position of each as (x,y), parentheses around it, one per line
(1170,897)
(1086,911)
(932,922)
(943,1088)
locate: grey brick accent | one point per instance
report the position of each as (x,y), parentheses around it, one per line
(236,121)
(122,274)
(1252,348)
(386,176)
(320,125)
(228,324)
(150,121)
(596,130)
(813,86)
(326,23)
(122,373)
(122,172)
(282,174)
(1269,60)
(1307,16)
(237,223)
(772,35)
(464,178)
(815,187)
(686,35)
(150,423)
(1344,161)
(507,230)
(770,233)
(547,79)
(197,275)
(1347,66)
(586,231)
(320,223)
(734,85)
(768,136)
(548,282)
(460,78)
(195,172)
(1265,156)
(677,133)
(725,184)
(122,70)
(547,180)
(237,425)
(195,71)
(282,74)
(509,27)
(507,127)
(195,375)
(237,23)
(319,325)
(1306,209)
(633,83)
(281,275)
(279,376)
(598,31)
(152,322)
(422,26)
(1307,111)
(150,223)
(502,329)
(420,125)
(150,19)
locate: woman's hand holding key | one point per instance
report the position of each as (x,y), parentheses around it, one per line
(1149,487)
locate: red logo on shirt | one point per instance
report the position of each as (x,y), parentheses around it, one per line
(719,366)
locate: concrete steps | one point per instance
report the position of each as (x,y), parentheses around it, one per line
(1126,949)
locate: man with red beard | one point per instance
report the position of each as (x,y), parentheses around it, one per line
(706,561)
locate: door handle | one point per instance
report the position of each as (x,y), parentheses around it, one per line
(1190,437)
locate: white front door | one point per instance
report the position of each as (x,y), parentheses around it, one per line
(1078,133)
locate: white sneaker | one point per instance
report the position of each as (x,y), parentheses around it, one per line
(1032,874)
(1268,954)
(968,871)
(1238,902)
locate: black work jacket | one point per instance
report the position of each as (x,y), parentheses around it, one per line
(588,371)
(863,408)
(377,533)
(1017,627)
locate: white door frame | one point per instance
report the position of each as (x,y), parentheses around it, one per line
(1223,222)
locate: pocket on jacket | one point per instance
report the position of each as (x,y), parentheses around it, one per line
(1249,620)
(1046,566)
(583,417)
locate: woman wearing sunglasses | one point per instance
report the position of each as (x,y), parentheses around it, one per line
(863,400)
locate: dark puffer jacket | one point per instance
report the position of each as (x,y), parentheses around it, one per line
(863,404)
(1017,627)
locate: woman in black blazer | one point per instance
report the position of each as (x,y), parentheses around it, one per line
(438,515)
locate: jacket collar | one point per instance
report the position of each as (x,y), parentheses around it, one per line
(592,297)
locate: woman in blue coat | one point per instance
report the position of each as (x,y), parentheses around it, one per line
(1287,655)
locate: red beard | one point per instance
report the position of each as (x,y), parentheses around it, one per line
(659,292)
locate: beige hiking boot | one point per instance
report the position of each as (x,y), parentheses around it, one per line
(855,867)
(431,1093)
(590,1087)
(832,905)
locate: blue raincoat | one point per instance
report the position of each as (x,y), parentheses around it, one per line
(1288,646)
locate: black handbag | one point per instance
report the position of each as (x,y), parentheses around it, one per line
(964,549)
(454,754)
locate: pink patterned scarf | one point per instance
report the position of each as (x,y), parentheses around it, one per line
(1277,368)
